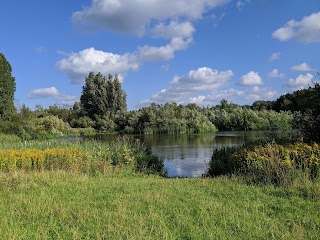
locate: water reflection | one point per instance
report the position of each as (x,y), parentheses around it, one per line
(187,155)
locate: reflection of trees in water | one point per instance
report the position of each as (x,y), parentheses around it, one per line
(181,140)
(187,154)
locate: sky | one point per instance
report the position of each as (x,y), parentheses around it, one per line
(183,51)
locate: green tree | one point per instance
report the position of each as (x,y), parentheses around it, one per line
(7,89)
(102,96)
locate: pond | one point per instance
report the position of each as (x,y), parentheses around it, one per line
(187,155)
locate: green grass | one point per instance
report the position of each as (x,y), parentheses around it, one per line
(60,205)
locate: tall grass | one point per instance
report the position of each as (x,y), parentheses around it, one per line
(60,205)
(83,156)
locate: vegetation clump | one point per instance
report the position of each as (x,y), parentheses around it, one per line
(88,157)
(268,164)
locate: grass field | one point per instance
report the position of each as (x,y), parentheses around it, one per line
(60,205)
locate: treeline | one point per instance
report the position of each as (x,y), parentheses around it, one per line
(173,118)
(169,118)
(102,108)
(305,106)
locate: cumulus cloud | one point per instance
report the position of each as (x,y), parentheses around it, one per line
(307,30)
(54,93)
(275,56)
(171,20)
(78,65)
(251,79)
(202,79)
(238,96)
(133,16)
(275,73)
(181,88)
(303,67)
(301,82)
(173,30)
(197,100)
(163,53)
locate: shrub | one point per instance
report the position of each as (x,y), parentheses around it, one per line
(270,163)
(5,138)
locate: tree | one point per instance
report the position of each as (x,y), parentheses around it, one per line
(102,96)
(7,89)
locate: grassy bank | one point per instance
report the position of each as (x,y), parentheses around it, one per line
(59,205)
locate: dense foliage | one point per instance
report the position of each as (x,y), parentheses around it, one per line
(169,118)
(305,104)
(7,89)
(102,96)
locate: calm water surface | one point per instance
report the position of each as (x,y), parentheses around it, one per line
(188,155)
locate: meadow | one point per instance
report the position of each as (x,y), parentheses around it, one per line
(66,205)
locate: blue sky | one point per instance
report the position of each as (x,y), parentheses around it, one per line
(184,51)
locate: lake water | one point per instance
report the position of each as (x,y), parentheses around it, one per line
(187,155)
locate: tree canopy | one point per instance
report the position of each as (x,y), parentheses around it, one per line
(102,96)
(7,89)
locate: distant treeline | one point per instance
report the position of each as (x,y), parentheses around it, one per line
(105,111)
(169,118)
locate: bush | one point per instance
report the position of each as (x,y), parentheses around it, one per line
(6,138)
(270,163)
(82,122)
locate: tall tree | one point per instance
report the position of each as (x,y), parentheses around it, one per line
(102,96)
(7,89)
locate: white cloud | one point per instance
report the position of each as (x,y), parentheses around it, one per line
(197,100)
(239,96)
(303,67)
(275,56)
(251,79)
(307,30)
(163,53)
(173,30)
(133,16)
(247,96)
(54,93)
(301,82)
(78,65)
(202,79)
(276,74)
(170,20)
(181,88)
